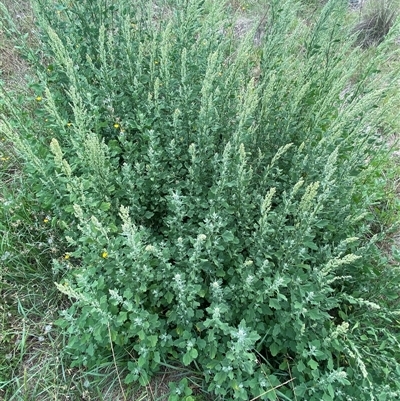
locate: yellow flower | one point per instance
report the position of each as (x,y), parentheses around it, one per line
(104,255)
(116,125)
(66,256)
(46,220)
(38,98)
(69,124)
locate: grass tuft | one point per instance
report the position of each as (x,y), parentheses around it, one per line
(377,18)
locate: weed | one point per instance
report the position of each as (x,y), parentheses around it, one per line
(206,218)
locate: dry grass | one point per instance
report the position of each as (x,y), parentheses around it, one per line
(376,19)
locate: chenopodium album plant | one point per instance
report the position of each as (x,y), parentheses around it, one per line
(208,188)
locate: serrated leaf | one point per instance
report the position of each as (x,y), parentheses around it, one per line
(300,366)
(312,364)
(128,294)
(152,340)
(122,317)
(274,303)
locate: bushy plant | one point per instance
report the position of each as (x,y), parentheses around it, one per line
(212,197)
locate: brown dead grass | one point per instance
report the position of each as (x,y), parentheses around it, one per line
(14,69)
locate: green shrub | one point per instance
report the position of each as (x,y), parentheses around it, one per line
(215,197)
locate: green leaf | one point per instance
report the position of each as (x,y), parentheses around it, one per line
(331,391)
(143,379)
(220,273)
(122,317)
(169,297)
(312,364)
(90,349)
(212,351)
(188,392)
(142,361)
(322,223)
(314,314)
(187,359)
(130,378)
(193,353)
(274,303)
(104,206)
(128,294)
(271,395)
(274,348)
(311,245)
(301,366)
(228,236)
(69,208)
(301,389)
(152,340)
(156,357)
